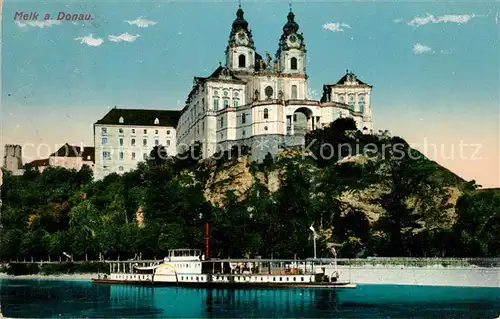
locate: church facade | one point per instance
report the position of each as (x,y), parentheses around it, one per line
(263,102)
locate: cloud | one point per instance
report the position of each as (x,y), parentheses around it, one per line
(419,48)
(141,22)
(449,18)
(397,20)
(445,51)
(38,24)
(335,26)
(90,40)
(123,37)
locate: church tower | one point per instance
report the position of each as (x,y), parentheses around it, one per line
(12,160)
(240,51)
(291,52)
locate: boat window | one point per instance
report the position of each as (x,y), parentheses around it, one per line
(294,279)
(281,279)
(182,278)
(274,278)
(302,278)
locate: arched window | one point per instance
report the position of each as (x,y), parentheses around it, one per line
(120,120)
(294,92)
(243,118)
(216,105)
(266,113)
(361,103)
(269,92)
(241,61)
(351,102)
(293,63)
(226,103)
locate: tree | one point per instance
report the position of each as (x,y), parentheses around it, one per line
(158,155)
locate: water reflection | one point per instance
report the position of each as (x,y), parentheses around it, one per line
(45,299)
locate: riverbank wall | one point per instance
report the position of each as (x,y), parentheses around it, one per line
(424,276)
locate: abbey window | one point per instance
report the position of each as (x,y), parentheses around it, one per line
(361,103)
(216,105)
(293,63)
(226,103)
(269,92)
(351,102)
(243,118)
(266,113)
(241,61)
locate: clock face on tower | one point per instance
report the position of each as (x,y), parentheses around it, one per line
(242,38)
(293,41)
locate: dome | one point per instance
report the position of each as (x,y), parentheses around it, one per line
(291,26)
(240,21)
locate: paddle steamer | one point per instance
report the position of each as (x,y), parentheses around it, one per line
(189,267)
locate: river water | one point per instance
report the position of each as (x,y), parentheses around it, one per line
(82,299)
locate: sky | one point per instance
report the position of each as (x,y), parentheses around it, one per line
(434,66)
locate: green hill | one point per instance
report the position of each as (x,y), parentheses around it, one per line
(370,195)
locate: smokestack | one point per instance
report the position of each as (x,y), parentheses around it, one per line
(207,241)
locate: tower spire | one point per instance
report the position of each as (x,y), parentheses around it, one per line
(239,4)
(290,5)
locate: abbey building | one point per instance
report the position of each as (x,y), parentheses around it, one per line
(250,100)
(263,102)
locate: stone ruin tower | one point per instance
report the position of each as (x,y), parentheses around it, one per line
(13,157)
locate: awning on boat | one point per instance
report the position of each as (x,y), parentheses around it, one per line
(146,268)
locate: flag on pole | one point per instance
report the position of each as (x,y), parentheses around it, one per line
(334,252)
